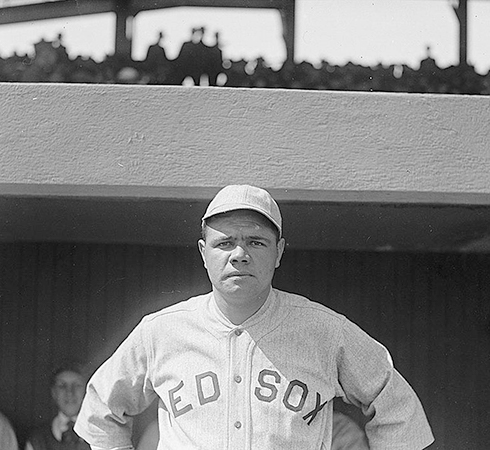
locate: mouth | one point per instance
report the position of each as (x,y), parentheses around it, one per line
(238,275)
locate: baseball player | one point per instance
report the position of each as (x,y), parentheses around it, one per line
(247,366)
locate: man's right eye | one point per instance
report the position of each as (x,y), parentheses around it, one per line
(223,244)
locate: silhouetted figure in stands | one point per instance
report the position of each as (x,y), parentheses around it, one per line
(189,61)
(214,61)
(49,64)
(197,59)
(428,65)
(11,68)
(263,75)
(157,65)
(236,74)
(331,75)
(301,76)
(378,78)
(430,77)
(86,70)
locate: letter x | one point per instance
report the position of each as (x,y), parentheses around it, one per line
(317,409)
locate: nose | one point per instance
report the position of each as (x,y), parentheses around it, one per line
(240,255)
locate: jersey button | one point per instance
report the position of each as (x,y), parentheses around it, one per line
(238,424)
(238,379)
(238,332)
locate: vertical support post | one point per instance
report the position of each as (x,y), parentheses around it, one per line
(461,10)
(288,15)
(123,36)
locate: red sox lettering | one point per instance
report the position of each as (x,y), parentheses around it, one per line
(266,391)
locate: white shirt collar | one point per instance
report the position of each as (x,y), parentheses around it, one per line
(60,425)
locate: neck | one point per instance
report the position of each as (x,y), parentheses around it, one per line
(238,311)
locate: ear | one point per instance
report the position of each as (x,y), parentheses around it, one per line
(201,245)
(280,250)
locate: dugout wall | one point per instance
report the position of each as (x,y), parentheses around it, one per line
(386,203)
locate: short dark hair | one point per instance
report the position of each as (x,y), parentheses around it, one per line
(68,365)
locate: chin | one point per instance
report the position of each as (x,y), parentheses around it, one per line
(238,283)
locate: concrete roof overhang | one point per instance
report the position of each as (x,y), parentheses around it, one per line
(313,220)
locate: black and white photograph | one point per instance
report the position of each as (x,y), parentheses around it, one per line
(244,224)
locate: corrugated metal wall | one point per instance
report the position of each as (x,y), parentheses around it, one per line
(430,310)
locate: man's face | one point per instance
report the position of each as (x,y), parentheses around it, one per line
(241,253)
(68,392)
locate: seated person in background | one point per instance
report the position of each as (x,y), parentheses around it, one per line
(8,440)
(67,390)
(346,435)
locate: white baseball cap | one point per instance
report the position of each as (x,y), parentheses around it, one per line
(234,197)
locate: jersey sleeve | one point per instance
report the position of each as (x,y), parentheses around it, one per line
(8,439)
(120,389)
(369,380)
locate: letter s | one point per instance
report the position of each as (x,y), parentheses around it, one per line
(273,389)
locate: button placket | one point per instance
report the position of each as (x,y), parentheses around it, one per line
(238,390)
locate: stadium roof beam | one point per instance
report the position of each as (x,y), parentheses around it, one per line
(125,10)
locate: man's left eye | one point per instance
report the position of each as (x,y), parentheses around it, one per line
(258,243)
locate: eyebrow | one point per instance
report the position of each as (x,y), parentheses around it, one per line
(251,237)
(259,238)
(220,239)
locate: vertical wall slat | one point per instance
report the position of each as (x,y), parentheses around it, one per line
(26,333)
(44,329)
(80,296)
(9,258)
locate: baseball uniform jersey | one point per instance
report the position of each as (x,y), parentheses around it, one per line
(267,384)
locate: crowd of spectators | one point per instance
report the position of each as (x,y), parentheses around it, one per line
(201,64)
